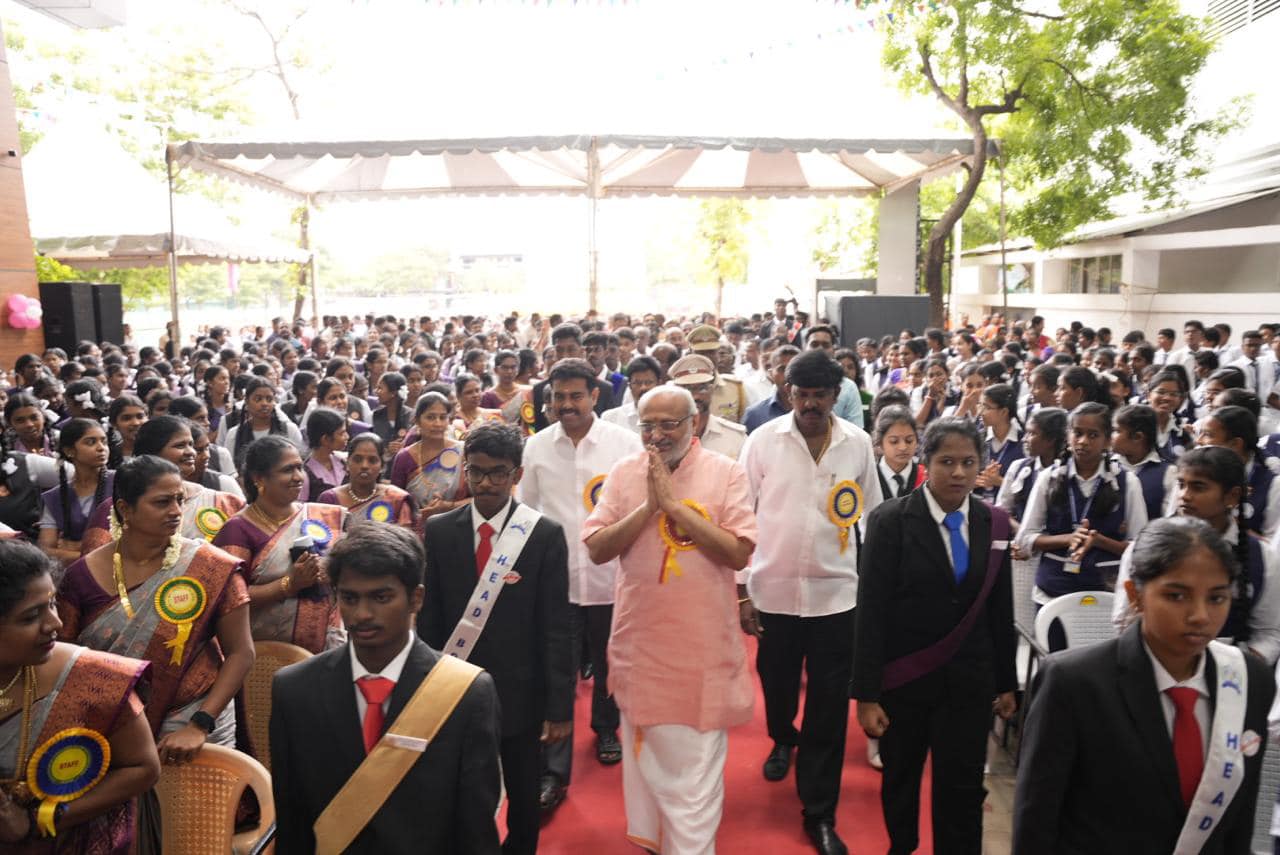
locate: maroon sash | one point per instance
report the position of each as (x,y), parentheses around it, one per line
(915,665)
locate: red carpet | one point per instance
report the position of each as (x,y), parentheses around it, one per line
(759,816)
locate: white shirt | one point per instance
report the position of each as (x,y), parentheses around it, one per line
(797,568)
(1164,680)
(498,522)
(391,672)
(907,474)
(556,475)
(1135,507)
(1170,505)
(1264,618)
(723,437)
(1256,370)
(625,416)
(939,517)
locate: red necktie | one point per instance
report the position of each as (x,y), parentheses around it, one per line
(375,690)
(1188,747)
(485,549)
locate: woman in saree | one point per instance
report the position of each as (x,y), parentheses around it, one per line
(204,511)
(333,394)
(509,398)
(292,600)
(51,687)
(468,387)
(362,496)
(431,468)
(178,603)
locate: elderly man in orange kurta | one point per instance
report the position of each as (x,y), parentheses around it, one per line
(680,519)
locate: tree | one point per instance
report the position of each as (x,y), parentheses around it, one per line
(1088,97)
(720,229)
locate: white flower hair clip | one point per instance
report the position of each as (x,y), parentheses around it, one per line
(1273,463)
(83,398)
(403,394)
(106,423)
(9,466)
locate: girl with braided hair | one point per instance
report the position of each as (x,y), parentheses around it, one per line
(1212,486)
(19,496)
(215,389)
(1167,393)
(1236,429)
(260,418)
(126,416)
(68,506)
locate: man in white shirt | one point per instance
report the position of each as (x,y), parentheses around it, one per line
(696,373)
(756,382)
(813,477)
(1259,374)
(564,470)
(1193,335)
(642,375)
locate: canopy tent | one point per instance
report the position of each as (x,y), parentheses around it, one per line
(593,167)
(92,205)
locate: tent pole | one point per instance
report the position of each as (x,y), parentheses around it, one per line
(593,191)
(311,271)
(175,333)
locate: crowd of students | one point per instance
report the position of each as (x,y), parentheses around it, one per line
(1142,468)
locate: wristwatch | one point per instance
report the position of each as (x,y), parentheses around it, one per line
(203,720)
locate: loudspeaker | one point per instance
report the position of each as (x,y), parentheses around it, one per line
(68,314)
(873,315)
(108,311)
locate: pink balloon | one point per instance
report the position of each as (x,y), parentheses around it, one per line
(16,303)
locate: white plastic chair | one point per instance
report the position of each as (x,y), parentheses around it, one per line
(1085,617)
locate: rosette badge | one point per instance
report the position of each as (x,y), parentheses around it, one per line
(180,601)
(676,540)
(209,521)
(379,512)
(449,459)
(319,533)
(844,509)
(591,493)
(68,765)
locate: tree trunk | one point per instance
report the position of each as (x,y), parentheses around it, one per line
(304,280)
(936,248)
(719,297)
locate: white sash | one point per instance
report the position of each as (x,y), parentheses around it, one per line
(501,564)
(1224,765)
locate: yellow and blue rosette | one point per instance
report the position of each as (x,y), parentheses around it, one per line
(449,459)
(379,511)
(844,509)
(319,533)
(209,521)
(591,493)
(180,601)
(676,540)
(527,414)
(68,765)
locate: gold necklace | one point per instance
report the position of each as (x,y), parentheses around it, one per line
(5,702)
(117,572)
(17,787)
(826,443)
(359,500)
(274,523)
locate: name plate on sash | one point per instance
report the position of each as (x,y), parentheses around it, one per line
(1224,764)
(493,578)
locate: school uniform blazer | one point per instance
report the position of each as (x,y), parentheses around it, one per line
(908,599)
(1097,773)
(446,802)
(527,642)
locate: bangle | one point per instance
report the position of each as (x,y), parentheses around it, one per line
(744,600)
(285,582)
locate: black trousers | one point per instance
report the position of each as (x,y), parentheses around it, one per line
(520,756)
(824,647)
(594,624)
(953,728)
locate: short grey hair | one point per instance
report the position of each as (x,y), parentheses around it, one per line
(668,389)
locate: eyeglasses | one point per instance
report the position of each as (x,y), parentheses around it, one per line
(666,425)
(497,477)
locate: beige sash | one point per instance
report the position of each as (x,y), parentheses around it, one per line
(395,753)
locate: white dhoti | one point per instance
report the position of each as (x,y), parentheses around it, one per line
(673,786)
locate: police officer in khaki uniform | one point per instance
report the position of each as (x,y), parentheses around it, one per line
(697,374)
(728,397)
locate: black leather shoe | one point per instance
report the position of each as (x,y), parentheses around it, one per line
(779,761)
(608,748)
(824,838)
(550,793)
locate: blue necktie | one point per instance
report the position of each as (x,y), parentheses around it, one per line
(959,549)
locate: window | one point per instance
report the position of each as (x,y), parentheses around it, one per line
(1227,16)
(1099,275)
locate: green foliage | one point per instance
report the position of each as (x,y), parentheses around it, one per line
(52,270)
(721,230)
(1089,97)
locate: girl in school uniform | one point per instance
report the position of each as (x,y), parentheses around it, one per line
(1082,512)
(1236,428)
(895,440)
(1175,719)
(1167,394)
(934,641)
(1133,439)
(1042,390)
(1002,445)
(1211,486)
